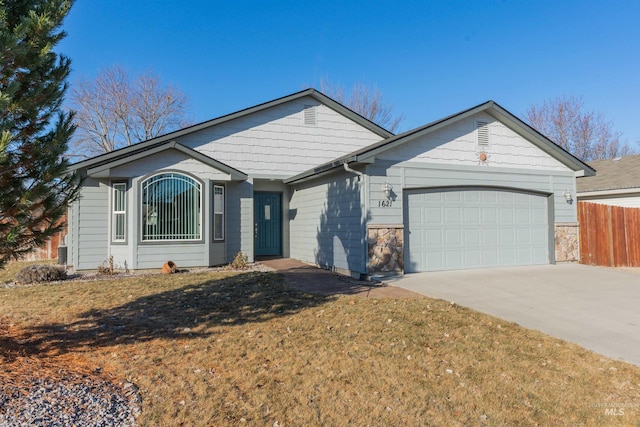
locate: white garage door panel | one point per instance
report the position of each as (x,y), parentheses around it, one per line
(475,228)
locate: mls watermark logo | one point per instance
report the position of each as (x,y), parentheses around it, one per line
(615,412)
(615,409)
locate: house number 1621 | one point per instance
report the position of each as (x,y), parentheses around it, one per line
(384,203)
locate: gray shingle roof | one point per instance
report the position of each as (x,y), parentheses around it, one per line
(612,174)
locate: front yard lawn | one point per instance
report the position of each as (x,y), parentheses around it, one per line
(228,349)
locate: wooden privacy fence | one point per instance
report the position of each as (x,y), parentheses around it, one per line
(49,250)
(609,235)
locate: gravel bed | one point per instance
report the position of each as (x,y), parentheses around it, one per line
(75,401)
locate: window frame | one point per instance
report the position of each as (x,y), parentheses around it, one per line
(222,212)
(200,207)
(115,213)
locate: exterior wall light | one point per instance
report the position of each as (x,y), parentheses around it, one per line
(568,197)
(388,190)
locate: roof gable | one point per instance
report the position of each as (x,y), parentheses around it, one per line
(103,168)
(279,142)
(369,154)
(318,96)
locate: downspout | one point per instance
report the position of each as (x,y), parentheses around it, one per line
(348,169)
(363,217)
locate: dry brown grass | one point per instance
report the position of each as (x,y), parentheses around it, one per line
(226,349)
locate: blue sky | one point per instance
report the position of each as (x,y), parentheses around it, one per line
(428,58)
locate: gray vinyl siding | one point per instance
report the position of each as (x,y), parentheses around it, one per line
(326,223)
(202,253)
(378,176)
(422,175)
(91,214)
(182,254)
(218,254)
(70,239)
(135,254)
(457,145)
(152,255)
(168,160)
(271,143)
(277,142)
(121,256)
(239,232)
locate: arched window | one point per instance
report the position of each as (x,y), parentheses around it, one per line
(171,208)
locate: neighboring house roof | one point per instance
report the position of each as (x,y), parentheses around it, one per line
(101,169)
(367,154)
(621,173)
(318,96)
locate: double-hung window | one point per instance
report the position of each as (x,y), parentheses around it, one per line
(119,219)
(218,212)
(171,208)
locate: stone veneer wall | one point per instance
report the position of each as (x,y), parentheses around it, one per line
(385,248)
(567,242)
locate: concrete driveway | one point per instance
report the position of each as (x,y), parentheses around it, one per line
(595,307)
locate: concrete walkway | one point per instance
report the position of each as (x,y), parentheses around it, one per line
(308,278)
(595,307)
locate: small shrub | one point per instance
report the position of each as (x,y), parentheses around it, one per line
(106,269)
(40,273)
(240,262)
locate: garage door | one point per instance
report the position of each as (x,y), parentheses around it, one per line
(450,229)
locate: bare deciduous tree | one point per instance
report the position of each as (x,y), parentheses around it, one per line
(365,101)
(587,135)
(113,111)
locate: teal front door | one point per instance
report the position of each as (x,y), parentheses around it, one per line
(268,223)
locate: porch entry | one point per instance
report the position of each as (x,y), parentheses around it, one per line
(268,223)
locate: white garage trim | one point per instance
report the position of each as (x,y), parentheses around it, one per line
(462,227)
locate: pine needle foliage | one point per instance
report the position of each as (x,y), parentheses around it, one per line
(35,188)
